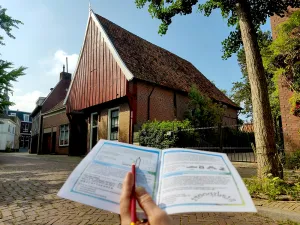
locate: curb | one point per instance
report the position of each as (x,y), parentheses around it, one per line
(278,214)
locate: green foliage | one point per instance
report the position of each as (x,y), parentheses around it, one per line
(292,160)
(202,111)
(260,11)
(282,56)
(295,103)
(6,24)
(272,187)
(7,73)
(241,91)
(163,134)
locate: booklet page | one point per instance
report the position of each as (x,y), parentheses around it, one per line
(97,180)
(198,181)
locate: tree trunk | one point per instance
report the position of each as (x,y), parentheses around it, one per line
(267,157)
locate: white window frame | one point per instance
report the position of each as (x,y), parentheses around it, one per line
(109,123)
(26,127)
(13,114)
(26,116)
(91,127)
(60,135)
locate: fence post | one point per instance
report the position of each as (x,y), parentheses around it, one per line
(221,136)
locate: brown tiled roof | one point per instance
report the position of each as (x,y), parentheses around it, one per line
(60,105)
(151,63)
(56,96)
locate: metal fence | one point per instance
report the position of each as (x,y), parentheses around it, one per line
(231,140)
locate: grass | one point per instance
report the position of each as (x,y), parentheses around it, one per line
(288,222)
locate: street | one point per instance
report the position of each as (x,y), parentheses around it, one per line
(29,184)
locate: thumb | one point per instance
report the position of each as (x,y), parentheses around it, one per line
(146,202)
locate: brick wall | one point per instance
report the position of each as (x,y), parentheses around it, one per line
(162,106)
(54,122)
(161,103)
(124,123)
(290,123)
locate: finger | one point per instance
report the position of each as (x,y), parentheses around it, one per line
(146,202)
(125,198)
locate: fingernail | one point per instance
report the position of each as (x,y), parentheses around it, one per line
(140,191)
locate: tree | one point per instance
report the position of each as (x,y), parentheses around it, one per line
(202,111)
(246,16)
(241,91)
(7,73)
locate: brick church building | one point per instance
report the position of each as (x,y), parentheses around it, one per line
(290,123)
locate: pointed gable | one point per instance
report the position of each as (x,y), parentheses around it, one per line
(100,75)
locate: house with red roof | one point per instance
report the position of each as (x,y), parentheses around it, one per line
(122,81)
(50,126)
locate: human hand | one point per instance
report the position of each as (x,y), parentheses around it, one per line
(156,216)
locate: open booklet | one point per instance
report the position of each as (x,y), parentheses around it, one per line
(179,180)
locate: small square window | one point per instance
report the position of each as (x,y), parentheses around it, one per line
(26,117)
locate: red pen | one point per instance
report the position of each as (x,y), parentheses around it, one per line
(132,199)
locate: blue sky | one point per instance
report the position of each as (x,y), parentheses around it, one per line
(55,29)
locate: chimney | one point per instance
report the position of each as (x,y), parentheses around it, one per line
(65,75)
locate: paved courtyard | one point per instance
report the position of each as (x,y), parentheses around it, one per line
(28,187)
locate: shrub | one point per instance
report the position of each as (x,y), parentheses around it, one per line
(292,160)
(272,187)
(203,111)
(164,134)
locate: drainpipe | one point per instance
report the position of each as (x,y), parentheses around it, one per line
(40,135)
(149,96)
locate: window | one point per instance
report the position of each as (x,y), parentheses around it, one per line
(94,130)
(64,135)
(13,131)
(113,129)
(8,128)
(26,117)
(13,114)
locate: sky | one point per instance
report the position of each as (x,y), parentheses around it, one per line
(54,30)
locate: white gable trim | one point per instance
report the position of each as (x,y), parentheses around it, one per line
(129,76)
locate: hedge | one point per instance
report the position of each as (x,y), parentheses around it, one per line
(164,134)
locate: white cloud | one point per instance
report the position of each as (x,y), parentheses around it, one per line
(25,102)
(54,65)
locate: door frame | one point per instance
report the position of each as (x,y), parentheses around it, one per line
(91,127)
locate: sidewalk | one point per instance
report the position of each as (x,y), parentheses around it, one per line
(278,210)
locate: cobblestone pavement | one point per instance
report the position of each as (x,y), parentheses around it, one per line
(28,187)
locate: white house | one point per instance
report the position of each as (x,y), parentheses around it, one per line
(7,133)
